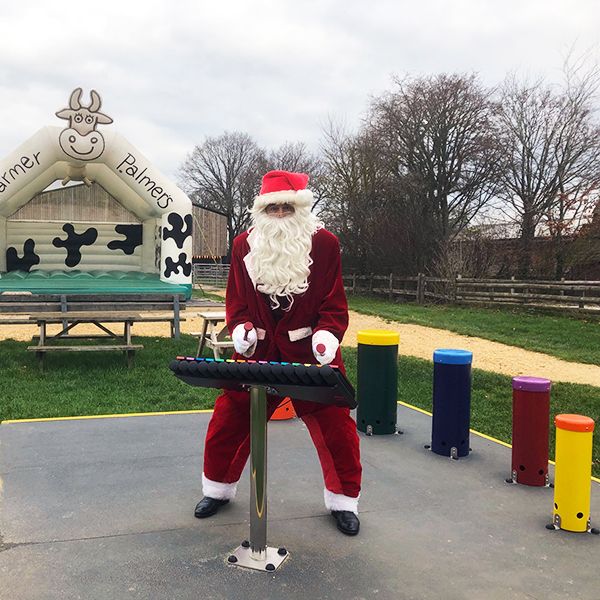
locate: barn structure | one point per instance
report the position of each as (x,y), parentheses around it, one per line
(127,228)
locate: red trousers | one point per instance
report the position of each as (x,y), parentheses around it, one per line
(331,428)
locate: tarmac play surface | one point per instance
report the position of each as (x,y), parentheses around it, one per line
(103,509)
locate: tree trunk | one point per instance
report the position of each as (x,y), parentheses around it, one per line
(560,257)
(526,246)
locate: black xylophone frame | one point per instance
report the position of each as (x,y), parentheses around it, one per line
(324,384)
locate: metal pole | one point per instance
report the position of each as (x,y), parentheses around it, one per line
(258,472)
(255,554)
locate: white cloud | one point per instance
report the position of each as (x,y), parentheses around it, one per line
(171,73)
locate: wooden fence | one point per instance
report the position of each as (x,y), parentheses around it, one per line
(582,296)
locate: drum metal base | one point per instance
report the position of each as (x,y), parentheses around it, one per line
(268,560)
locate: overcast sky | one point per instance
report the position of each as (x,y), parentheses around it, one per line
(171,72)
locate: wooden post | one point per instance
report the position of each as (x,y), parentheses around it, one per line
(391,290)
(353,283)
(420,288)
(176,316)
(63,309)
(371,283)
(454,288)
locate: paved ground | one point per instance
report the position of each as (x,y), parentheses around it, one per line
(102,509)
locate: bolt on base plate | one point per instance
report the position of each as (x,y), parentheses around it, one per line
(268,561)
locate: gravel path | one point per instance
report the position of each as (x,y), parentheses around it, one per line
(415,340)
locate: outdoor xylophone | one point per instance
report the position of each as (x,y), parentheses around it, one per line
(324,384)
(317,383)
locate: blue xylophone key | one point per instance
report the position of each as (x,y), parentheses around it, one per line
(290,372)
(224,369)
(212,369)
(203,368)
(277,373)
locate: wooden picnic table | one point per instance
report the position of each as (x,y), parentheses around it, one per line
(214,333)
(70,320)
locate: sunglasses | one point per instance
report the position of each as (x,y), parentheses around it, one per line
(273,209)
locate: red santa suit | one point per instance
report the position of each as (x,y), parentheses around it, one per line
(286,336)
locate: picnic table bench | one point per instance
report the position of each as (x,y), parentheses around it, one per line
(70,310)
(99,319)
(214,333)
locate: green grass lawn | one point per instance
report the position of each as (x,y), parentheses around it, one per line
(92,383)
(569,338)
(100,383)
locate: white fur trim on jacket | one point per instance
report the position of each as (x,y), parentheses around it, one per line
(299,334)
(340,502)
(218,490)
(295,198)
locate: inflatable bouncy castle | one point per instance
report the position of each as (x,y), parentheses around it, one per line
(131,233)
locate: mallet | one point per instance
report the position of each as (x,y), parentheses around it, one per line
(248,327)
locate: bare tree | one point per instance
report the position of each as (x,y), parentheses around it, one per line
(223,174)
(353,185)
(578,155)
(438,145)
(550,156)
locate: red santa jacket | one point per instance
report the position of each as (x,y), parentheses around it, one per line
(322,306)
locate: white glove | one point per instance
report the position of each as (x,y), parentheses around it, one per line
(329,341)
(245,347)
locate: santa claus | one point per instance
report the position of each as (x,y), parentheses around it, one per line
(285,279)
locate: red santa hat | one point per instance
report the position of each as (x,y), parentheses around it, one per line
(283,187)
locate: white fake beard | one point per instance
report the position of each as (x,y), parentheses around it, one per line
(280,253)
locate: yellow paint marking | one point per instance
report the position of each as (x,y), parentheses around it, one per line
(119,416)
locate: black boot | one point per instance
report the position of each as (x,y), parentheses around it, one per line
(208,506)
(347,522)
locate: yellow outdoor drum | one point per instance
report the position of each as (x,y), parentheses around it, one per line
(572,483)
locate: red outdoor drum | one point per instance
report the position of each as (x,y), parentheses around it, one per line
(530,427)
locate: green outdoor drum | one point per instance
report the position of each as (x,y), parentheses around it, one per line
(377,381)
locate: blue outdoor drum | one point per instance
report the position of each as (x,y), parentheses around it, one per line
(451,402)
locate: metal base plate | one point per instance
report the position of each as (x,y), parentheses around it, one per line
(271,559)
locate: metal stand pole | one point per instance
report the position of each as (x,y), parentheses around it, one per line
(258,472)
(255,554)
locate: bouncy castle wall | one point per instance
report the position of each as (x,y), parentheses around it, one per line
(81,228)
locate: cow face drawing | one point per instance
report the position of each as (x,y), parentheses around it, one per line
(81,140)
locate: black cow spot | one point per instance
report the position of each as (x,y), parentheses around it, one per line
(177,233)
(74,242)
(30,258)
(133,238)
(173,267)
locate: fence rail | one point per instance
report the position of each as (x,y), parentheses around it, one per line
(580,296)
(213,275)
